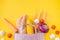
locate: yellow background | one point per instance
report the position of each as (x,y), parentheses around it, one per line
(13,9)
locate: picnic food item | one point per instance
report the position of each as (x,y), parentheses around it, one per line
(2,33)
(21,24)
(9,35)
(52,36)
(10,25)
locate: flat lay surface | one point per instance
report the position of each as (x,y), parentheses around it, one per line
(13,9)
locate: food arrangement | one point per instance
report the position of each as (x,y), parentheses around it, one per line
(38,27)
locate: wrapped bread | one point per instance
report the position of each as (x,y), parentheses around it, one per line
(21,24)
